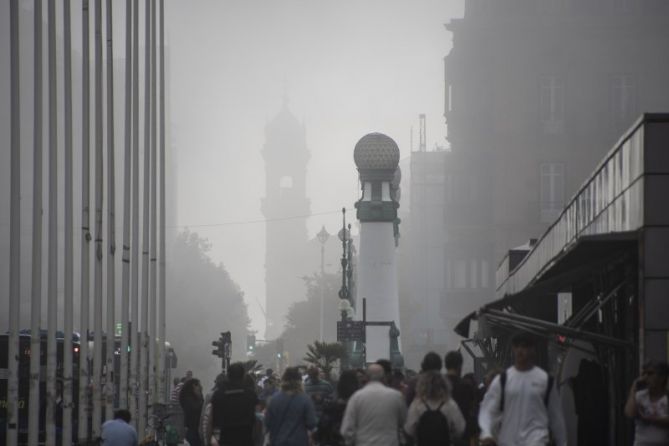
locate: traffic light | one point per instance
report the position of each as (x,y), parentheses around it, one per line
(250,343)
(219,348)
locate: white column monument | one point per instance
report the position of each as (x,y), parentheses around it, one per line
(377,158)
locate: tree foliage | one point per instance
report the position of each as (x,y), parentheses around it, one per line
(303,320)
(324,355)
(203,301)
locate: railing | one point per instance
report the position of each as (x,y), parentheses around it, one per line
(611,200)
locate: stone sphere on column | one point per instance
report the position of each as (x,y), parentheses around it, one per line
(376,151)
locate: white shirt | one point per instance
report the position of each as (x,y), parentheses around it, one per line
(374,416)
(646,434)
(525,420)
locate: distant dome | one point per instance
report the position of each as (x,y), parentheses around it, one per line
(376,151)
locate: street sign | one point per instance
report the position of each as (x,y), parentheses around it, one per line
(350,331)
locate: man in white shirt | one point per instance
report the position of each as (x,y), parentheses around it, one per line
(375,414)
(523,411)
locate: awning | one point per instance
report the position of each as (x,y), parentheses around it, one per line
(588,254)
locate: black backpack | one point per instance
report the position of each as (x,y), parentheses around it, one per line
(432,428)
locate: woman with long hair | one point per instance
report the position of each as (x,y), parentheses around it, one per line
(327,433)
(191,400)
(290,416)
(432,401)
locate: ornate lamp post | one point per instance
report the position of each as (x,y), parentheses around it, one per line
(323,237)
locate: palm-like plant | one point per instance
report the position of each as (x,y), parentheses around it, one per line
(324,355)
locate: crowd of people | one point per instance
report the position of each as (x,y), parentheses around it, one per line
(519,406)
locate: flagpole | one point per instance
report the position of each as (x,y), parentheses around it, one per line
(14,231)
(36,281)
(52,272)
(99,181)
(161,262)
(68,287)
(108,373)
(134,262)
(125,273)
(84,308)
(145,228)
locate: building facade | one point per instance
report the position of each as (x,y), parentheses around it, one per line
(535,91)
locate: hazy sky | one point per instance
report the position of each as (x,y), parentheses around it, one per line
(347,68)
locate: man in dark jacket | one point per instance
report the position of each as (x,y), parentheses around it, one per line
(463,393)
(233,409)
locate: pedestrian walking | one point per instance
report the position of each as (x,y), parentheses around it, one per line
(290,416)
(191,400)
(434,418)
(206,424)
(648,405)
(522,406)
(318,389)
(329,423)
(119,431)
(431,362)
(375,415)
(233,409)
(464,394)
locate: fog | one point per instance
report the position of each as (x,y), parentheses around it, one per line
(344,68)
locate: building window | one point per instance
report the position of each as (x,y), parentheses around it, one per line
(551,98)
(460,274)
(623,99)
(376,191)
(286,182)
(552,191)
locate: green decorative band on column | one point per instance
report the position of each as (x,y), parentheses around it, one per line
(376,211)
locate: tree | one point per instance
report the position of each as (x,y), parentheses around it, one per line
(303,317)
(202,302)
(324,355)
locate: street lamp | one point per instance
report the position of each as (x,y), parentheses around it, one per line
(323,237)
(345,292)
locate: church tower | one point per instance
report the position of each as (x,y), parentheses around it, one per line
(286,156)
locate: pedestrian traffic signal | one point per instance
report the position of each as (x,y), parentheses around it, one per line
(219,351)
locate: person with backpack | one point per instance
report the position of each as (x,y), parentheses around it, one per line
(434,418)
(522,406)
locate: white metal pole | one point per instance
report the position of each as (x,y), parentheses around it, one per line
(68,287)
(108,373)
(52,272)
(161,263)
(145,227)
(322,286)
(154,227)
(125,273)
(84,309)
(134,262)
(14,231)
(36,294)
(99,179)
